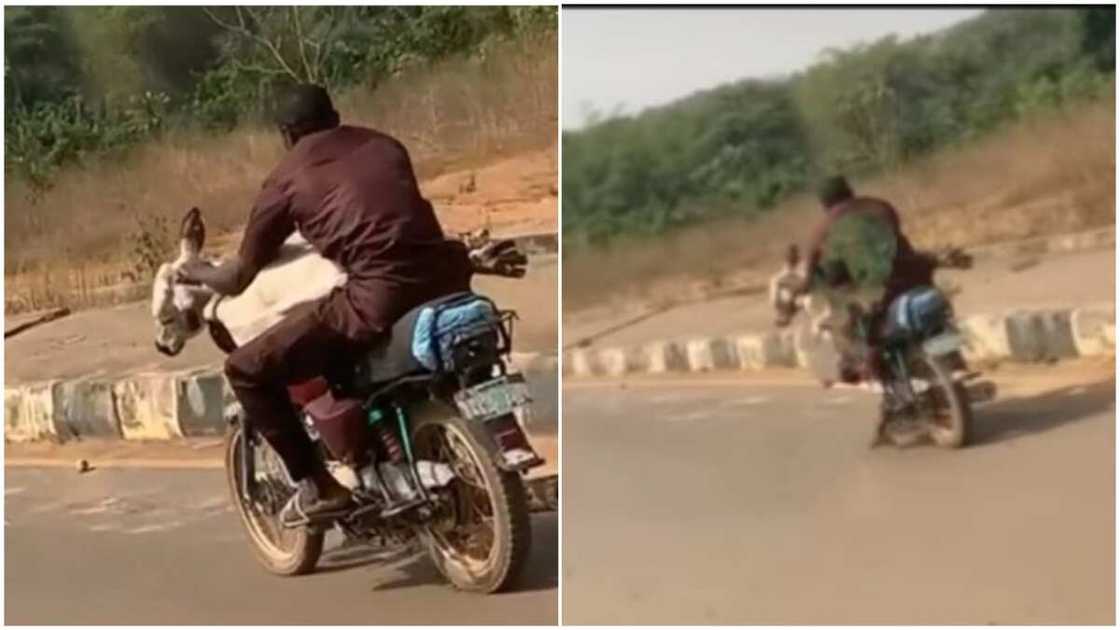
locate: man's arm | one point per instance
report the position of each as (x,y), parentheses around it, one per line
(231,277)
(813,253)
(270,224)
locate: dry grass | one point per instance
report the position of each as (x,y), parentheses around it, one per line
(78,239)
(1042,176)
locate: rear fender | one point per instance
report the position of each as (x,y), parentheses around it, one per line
(502,424)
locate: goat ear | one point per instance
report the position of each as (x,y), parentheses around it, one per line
(192,232)
(793,254)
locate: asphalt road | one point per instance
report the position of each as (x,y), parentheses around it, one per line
(164,547)
(694,502)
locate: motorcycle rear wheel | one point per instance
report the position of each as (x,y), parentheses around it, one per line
(281,551)
(481,539)
(951,426)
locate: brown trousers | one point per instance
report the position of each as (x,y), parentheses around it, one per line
(300,347)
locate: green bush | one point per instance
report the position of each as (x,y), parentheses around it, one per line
(83,81)
(40,139)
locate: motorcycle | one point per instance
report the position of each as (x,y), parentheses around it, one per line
(927,389)
(426,430)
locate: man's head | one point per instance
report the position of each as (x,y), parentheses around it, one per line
(304,109)
(833,190)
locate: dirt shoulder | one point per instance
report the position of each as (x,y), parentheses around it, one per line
(511,196)
(995,284)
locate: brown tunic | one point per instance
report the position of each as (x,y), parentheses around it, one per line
(352,193)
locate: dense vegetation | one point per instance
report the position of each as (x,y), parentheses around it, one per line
(91,81)
(741,148)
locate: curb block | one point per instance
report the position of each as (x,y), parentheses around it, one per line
(29,413)
(170,405)
(664,356)
(146,407)
(614,361)
(769,349)
(711,353)
(1094,330)
(583,362)
(1020,335)
(986,337)
(85,408)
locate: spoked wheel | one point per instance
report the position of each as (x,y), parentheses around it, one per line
(480,536)
(281,550)
(946,405)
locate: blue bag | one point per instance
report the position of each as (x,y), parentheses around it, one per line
(438,328)
(917,313)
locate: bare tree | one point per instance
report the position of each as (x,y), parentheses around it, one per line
(291,42)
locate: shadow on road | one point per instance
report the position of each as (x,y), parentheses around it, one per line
(1008,419)
(353,556)
(417,569)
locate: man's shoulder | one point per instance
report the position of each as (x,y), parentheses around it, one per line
(871,203)
(366,133)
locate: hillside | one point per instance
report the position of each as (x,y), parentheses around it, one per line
(741,150)
(470,91)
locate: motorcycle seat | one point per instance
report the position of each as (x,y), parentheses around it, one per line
(415,343)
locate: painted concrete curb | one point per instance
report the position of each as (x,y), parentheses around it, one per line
(170,405)
(1019,335)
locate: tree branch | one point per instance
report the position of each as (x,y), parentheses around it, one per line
(311,72)
(241,28)
(271,46)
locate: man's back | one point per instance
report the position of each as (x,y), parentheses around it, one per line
(353,195)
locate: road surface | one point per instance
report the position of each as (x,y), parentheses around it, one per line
(697,501)
(118,546)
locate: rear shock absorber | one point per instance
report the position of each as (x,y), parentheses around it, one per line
(390,443)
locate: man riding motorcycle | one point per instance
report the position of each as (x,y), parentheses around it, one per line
(908,268)
(352,194)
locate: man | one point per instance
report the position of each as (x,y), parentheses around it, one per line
(351,192)
(905,269)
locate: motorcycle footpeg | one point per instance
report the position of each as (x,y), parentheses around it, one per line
(296,517)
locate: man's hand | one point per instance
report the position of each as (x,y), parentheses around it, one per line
(784,317)
(956,258)
(499,258)
(192,271)
(230,277)
(803,287)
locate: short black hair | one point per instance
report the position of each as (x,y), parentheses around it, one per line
(305,106)
(834,189)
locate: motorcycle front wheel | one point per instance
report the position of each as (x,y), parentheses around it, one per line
(480,535)
(280,550)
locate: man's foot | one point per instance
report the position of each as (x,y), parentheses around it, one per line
(310,505)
